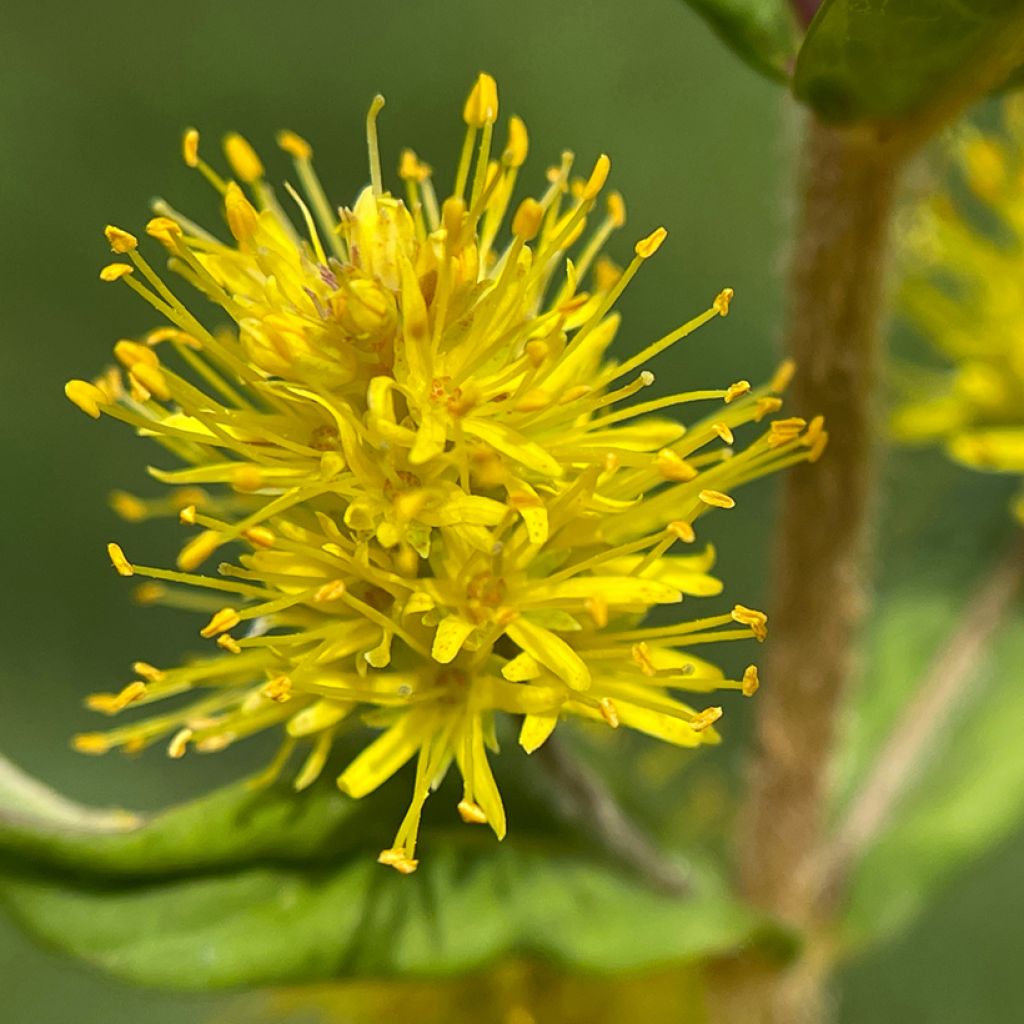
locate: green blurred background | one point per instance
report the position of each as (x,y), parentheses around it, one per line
(93,102)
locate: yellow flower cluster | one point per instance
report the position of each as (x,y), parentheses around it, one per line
(964,290)
(445,502)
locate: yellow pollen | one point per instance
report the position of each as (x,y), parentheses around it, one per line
(115,271)
(717,499)
(152,379)
(723,431)
(411,168)
(91,743)
(295,145)
(164,230)
(527,220)
(118,560)
(482,104)
(226,642)
(120,241)
(705,718)
(278,689)
(187,515)
(766,406)
(179,743)
(783,375)
(190,147)
(198,550)
(722,300)
(260,536)
(818,447)
(242,157)
(147,671)
(648,246)
(616,209)
(672,467)
(399,860)
(471,813)
(330,592)
(642,657)
(734,391)
(609,712)
(221,622)
(598,177)
(241,214)
(111,703)
(129,353)
(518,145)
(682,530)
(86,396)
(756,620)
(750,681)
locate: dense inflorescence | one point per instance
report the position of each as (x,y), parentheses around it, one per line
(443,501)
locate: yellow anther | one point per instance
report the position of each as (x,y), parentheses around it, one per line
(518,145)
(783,431)
(164,230)
(756,620)
(453,216)
(111,703)
(648,246)
(737,390)
(148,672)
(260,536)
(818,447)
(399,860)
(247,478)
(472,813)
(527,220)
(814,429)
(220,622)
(482,104)
(598,176)
(243,220)
(722,300)
(279,689)
(717,499)
(616,209)
(573,393)
(705,718)
(127,506)
(294,145)
(120,241)
(198,550)
(537,351)
(750,681)
(115,271)
(131,353)
(411,168)
(86,396)
(187,515)
(226,642)
(606,274)
(723,431)
(331,591)
(152,379)
(149,593)
(190,147)
(682,530)
(118,560)
(160,334)
(609,712)
(783,375)
(242,157)
(534,400)
(597,609)
(91,743)
(766,406)
(179,743)
(642,658)
(672,467)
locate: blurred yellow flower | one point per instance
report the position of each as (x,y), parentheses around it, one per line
(446,504)
(964,289)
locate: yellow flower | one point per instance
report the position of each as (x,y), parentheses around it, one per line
(445,502)
(964,290)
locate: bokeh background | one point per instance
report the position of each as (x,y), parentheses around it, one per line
(92,104)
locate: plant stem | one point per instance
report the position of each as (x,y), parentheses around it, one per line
(942,689)
(583,797)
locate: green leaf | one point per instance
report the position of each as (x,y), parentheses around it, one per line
(762,32)
(881,61)
(970,792)
(246,888)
